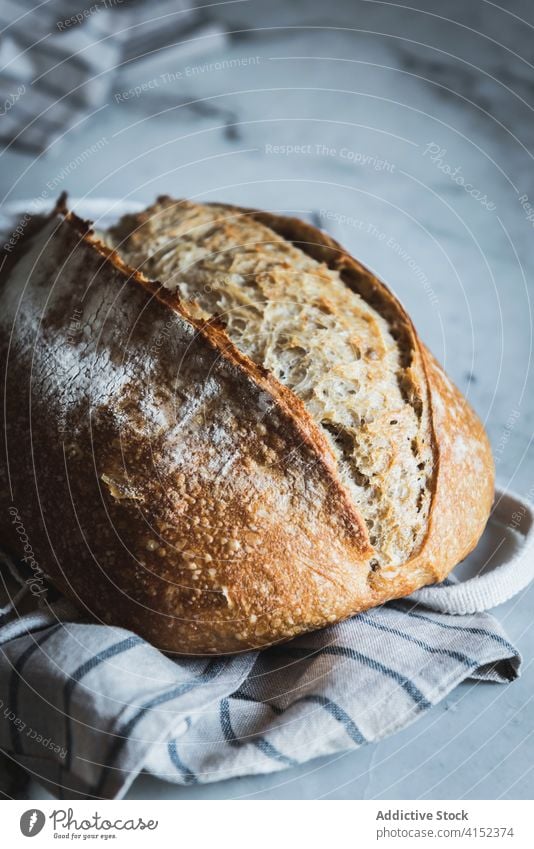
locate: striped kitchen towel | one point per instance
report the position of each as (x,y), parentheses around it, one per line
(84,707)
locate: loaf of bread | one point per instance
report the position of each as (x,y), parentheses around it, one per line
(222,431)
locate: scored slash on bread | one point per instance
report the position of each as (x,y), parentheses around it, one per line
(297,317)
(245,440)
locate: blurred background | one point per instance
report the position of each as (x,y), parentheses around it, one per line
(407,132)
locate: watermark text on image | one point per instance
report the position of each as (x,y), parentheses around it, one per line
(528,208)
(29,732)
(82,16)
(11,99)
(190,71)
(357,157)
(437,155)
(36,582)
(390,242)
(52,186)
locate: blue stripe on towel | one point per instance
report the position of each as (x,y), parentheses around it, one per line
(482,632)
(333,708)
(338,713)
(188,774)
(261,743)
(79,673)
(226,725)
(212,670)
(244,697)
(462,658)
(273,753)
(407,685)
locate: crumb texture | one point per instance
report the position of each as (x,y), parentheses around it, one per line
(297,318)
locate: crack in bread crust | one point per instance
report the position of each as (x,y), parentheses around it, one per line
(172,486)
(296,317)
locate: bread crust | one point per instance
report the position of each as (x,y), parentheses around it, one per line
(464,471)
(187,494)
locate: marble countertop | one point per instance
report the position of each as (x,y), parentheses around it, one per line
(408,135)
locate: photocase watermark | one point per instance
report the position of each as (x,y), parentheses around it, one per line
(522,511)
(32,822)
(11,99)
(37,581)
(163,335)
(356,157)
(82,16)
(528,208)
(65,824)
(29,732)
(183,74)
(345,220)
(211,67)
(66,820)
(81,159)
(74,331)
(17,233)
(437,155)
(391,243)
(51,188)
(504,438)
(75,326)
(418,272)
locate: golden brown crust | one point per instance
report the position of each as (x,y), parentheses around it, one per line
(463,462)
(295,316)
(173,487)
